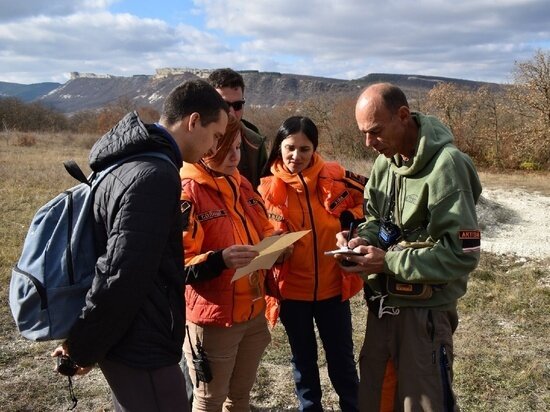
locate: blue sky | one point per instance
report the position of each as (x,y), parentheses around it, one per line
(346,39)
(172,11)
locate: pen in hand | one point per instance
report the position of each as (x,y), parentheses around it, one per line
(350,233)
(350,236)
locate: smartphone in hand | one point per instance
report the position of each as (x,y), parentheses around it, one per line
(343,251)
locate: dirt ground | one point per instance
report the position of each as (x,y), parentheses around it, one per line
(514,214)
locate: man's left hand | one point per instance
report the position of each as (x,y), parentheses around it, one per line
(370,261)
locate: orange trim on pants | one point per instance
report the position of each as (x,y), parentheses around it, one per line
(389,387)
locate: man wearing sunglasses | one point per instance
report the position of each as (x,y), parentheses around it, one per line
(230,85)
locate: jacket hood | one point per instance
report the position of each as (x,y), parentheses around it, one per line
(432,137)
(309,175)
(130,136)
(201,174)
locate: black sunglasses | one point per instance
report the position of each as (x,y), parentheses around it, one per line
(237,105)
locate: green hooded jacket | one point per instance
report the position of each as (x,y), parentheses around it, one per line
(436,195)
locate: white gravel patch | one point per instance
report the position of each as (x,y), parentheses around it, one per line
(515,222)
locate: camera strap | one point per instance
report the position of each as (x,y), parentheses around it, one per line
(71,393)
(392,212)
(201,365)
(389,212)
(193,353)
(396,188)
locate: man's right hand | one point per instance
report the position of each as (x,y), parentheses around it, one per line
(342,240)
(63,351)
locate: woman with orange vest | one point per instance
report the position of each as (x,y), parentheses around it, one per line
(303,192)
(223,217)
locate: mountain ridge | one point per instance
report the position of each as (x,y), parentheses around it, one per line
(27,92)
(90,91)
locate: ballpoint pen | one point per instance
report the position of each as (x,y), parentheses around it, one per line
(350,233)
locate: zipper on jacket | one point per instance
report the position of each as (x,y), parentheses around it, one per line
(243,219)
(314,234)
(171,315)
(249,237)
(264,209)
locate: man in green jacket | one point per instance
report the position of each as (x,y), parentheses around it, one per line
(230,85)
(419,244)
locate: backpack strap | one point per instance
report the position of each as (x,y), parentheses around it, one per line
(76,172)
(158,155)
(97,177)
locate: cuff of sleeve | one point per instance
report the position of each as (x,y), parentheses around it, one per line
(388,262)
(216,260)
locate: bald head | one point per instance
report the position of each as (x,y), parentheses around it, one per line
(383,116)
(384,94)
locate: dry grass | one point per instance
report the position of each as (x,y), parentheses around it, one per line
(502,343)
(534,181)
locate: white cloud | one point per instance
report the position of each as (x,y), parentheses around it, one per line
(100,42)
(426,37)
(472,39)
(15,9)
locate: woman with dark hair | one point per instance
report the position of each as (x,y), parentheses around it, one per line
(303,192)
(223,217)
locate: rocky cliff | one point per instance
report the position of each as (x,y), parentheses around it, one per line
(85,91)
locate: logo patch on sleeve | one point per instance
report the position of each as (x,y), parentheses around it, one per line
(185,206)
(338,200)
(471,240)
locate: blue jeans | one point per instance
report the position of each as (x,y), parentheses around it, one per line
(333,320)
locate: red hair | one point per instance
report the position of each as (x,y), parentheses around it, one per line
(224,143)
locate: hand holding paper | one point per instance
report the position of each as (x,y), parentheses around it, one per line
(237,256)
(269,250)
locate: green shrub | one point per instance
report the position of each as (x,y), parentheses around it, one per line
(529,165)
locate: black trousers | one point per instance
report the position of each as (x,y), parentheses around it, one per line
(136,390)
(333,320)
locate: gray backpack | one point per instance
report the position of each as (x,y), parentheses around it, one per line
(57,265)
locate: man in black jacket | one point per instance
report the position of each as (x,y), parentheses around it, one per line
(133,322)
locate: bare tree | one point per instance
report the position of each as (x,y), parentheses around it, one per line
(489,117)
(531,94)
(451,103)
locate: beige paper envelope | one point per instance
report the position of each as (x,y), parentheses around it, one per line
(270,248)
